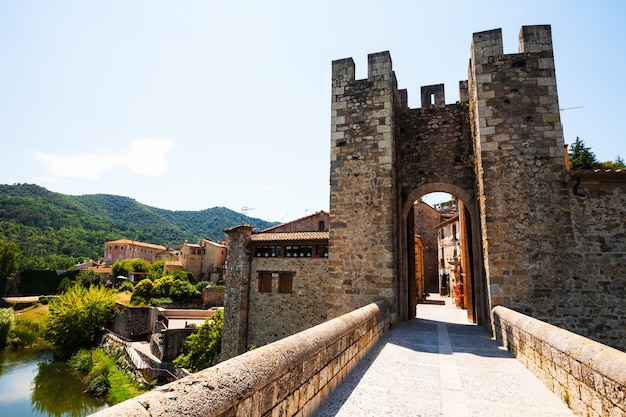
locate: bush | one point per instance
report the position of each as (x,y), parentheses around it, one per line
(7,316)
(144,290)
(81,361)
(203,347)
(161,301)
(200,285)
(99,384)
(77,316)
(65,285)
(24,333)
(126,286)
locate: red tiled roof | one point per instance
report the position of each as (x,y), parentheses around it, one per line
(281,237)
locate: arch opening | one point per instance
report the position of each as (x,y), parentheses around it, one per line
(441,255)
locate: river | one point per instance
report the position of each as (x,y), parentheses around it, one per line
(33,384)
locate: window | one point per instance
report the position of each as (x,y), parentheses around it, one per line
(321,226)
(265,281)
(285,282)
(454,231)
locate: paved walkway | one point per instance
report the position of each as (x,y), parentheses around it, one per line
(441,365)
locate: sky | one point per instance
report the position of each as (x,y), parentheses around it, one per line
(189,105)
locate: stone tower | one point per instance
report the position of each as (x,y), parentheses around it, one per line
(362,258)
(519,151)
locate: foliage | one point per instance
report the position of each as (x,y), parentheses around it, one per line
(77,316)
(167,288)
(81,361)
(42,281)
(201,284)
(122,268)
(617,164)
(24,333)
(56,231)
(65,285)
(126,286)
(581,156)
(6,322)
(202,348)
(143,291)
(10,256)
(157,269)
(121,386)
(88,278)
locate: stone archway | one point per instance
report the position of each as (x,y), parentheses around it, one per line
(475,286)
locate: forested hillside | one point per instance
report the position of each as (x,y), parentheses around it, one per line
(54,230)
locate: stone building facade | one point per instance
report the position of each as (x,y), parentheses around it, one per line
(538,238)
(275,282)
(426,219)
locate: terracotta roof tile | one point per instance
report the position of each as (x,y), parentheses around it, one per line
(282,237)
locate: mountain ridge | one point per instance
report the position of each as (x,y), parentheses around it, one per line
(55,230)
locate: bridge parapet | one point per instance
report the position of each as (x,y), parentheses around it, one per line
(289,377)
(589,376)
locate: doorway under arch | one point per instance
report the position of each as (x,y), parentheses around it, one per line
(468,284)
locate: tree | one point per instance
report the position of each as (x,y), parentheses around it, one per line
(617,164)
(202,348)
(581,156)
(6,322)
(10,257)
(77,316)
(88,278)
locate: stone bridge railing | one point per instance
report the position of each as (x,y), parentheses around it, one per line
(288,377)
(590,377)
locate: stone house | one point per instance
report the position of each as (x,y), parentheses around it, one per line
(118,250)
(282,289)
(426,219)
(205,260)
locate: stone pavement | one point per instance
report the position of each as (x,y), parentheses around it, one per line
(441,365)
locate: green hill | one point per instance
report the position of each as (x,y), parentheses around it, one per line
(55,230)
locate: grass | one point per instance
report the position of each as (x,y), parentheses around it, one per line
(122,387)
(37,313)
(123,297)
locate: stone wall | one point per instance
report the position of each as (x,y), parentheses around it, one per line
(588,376)
(212,297)
(274,315)
(288,377)
(134,323)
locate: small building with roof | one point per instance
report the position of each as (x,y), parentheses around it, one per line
(276,282)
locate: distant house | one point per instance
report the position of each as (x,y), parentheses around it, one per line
(276,281)
(205,259)
(118,250)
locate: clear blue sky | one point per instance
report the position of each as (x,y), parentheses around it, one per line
(187,105)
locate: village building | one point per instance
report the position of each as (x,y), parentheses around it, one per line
(284,270)
(118,250)
(205,260)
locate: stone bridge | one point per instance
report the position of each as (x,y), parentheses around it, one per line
(436,365)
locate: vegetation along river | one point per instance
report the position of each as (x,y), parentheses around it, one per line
(33,384)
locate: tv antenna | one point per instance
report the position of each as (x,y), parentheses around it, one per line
(245,210)
(571,108)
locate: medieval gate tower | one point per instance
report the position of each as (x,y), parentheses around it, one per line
(537,237)
(499,149)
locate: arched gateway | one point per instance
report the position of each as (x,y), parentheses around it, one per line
(539,238)
(491,149)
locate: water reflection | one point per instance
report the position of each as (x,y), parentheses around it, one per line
(32,384)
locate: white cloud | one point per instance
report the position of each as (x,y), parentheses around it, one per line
(147,157)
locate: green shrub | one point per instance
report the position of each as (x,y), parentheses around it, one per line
(99,384)
(126,286)
(7,316)
(65,285)
(203,347)
(200,285)
(81,361)
(24,333)
(77,316)
(160,301)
